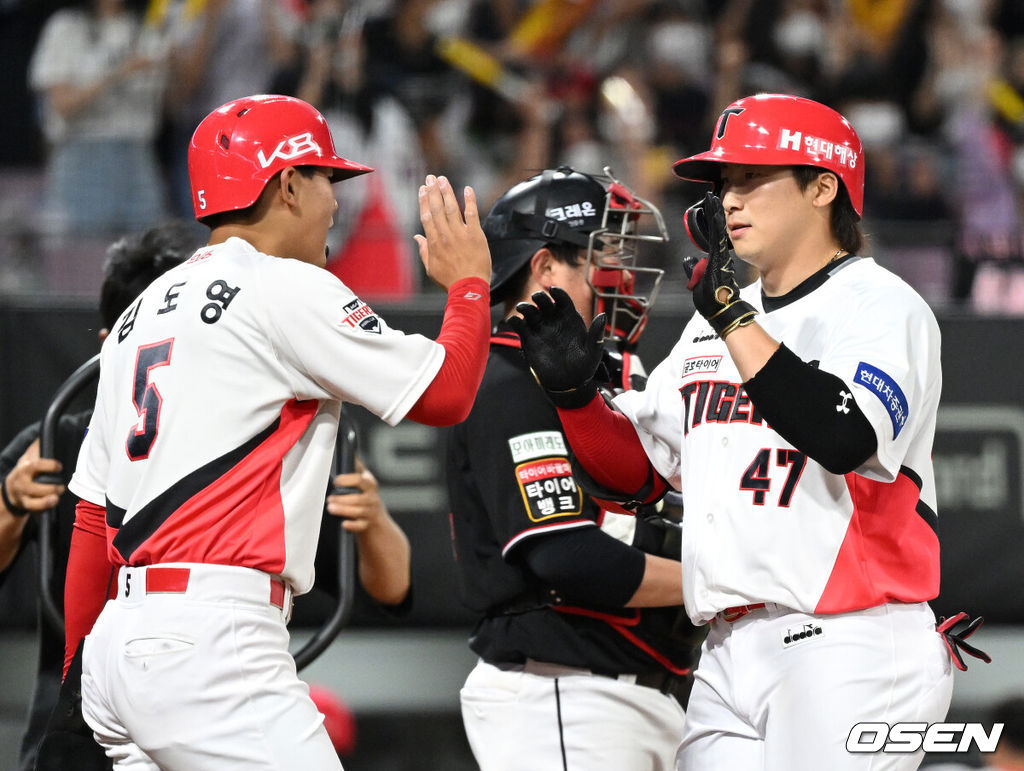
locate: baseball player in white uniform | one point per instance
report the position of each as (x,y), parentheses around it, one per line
(797,418)
(203,473)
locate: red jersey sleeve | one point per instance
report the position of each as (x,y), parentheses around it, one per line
(88,576)
(465,336)
(607,446)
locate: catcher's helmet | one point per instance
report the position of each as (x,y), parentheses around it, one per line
(782,130)
(567,207)
(238,147)
(556,207)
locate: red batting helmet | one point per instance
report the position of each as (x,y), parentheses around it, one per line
(238,147)
(782,130)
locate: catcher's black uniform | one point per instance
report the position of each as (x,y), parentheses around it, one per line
(510,482)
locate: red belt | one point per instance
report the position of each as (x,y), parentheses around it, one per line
(737,612)
(175,581)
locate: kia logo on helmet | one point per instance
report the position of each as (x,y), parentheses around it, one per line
(726,114)
(290,148)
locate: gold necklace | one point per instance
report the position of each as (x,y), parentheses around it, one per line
(835,256)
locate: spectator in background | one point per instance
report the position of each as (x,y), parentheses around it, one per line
(682,60)
(678,53)
(371,241)
(100,75)
(907,184)
(224,49)
(987,207)
(586,97)
(402,60)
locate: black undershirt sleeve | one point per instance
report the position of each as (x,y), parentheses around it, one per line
(800,402)
(586,566)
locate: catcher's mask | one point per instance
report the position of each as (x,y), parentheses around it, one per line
(624,289)
(594,212)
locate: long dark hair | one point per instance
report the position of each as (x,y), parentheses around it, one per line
(843,220)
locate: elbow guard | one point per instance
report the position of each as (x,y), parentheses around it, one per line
(586,566)
(806,407)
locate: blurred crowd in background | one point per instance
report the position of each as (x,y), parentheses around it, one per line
(102,97)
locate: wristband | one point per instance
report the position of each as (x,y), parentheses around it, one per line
(17,511)
(732,316)
(572,398)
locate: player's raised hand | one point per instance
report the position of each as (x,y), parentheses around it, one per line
(453,246)
(561,351)
(712,278)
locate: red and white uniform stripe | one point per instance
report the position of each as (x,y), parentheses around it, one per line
(218,404)
(762,522)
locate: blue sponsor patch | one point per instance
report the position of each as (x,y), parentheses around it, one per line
(890,394)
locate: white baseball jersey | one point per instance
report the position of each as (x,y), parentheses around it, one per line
(218,404)
(765,523)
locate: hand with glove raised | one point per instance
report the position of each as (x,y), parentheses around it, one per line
(562,353)
(712,278)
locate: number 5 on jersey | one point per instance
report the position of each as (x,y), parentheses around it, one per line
(146,398)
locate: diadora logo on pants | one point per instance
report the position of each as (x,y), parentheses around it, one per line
(292,147)
(911,737)
(804,632)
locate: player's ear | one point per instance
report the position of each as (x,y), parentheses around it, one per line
(541,266)
(286,184)
(825,188)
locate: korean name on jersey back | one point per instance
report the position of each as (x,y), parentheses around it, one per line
(219,292)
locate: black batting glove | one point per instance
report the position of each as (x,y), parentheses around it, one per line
(562,353)
(696,226)
(957,641)
(712,278)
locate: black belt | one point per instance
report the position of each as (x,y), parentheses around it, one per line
(663,681)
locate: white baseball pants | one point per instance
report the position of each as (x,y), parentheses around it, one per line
(546,716)
(200,680)
(773,693)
